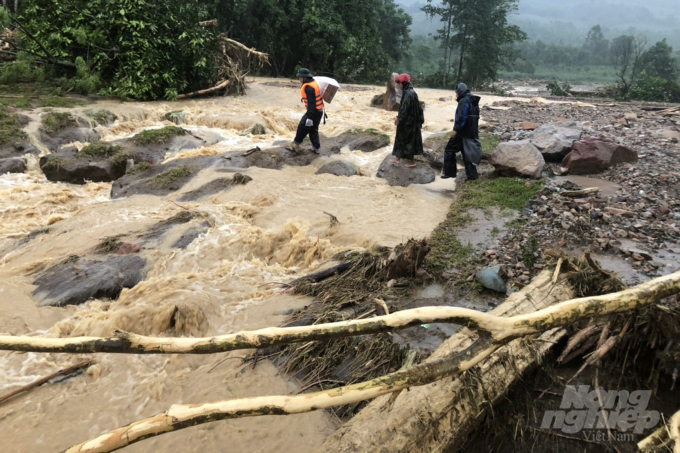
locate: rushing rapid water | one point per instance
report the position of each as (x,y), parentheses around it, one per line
(265,232)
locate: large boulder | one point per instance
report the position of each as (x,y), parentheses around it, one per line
(555,140)
(594,155)
(519,158)
(276,158)
(338,168)
(398,175)
(98,162)
(78,280)
(12,165)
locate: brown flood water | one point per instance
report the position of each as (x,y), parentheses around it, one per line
(267,231)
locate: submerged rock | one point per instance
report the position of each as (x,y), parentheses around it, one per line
(398,175)
(278,157)
(12,165)
(216,186)
(338,168)
(159,179)
(79,280)
(366,140)
(59,129)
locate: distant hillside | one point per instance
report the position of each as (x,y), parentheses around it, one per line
(568,22)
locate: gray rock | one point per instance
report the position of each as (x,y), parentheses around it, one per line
(366,140)
(68,165)
(555,140)
(216,186)
(434,147)
(398,175)
(177,117)
(79,280)
(338,168)
(12,165)
(490,279)
(519,158)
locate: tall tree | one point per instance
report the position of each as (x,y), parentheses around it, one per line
(626,54)
(480,32)
(658,61)
(445,11)
(596,45)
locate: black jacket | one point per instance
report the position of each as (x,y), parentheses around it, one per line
(467,116)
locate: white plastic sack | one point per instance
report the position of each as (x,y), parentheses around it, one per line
(328,88)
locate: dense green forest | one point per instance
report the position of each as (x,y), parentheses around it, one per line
(149,49)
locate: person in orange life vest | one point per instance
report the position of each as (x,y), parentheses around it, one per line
(309,124)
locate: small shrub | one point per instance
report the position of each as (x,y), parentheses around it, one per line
(558,89)
(157,136)
(99,150)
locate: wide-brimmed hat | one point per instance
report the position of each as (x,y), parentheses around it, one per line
(304,72)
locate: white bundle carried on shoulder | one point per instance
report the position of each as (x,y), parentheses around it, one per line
(328,88)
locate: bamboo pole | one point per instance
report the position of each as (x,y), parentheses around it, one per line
(41,381)
(182,416)
(500,328)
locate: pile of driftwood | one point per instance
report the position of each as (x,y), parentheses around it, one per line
(234,63)
(500,346)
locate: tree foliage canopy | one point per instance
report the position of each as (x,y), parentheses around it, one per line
(141,48)
(150,49)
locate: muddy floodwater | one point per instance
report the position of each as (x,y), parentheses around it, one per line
(268,231)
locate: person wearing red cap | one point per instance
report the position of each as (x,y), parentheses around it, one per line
(409,140)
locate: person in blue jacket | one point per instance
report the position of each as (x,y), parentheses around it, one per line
(466,127)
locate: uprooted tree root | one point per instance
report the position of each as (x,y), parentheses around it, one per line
(351,294)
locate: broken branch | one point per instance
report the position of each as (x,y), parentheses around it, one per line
(500,328)
(37,383)
(184,416)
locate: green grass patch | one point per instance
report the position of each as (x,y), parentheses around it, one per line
(371,132)
(10,128)
(140,168)
(53,163)
(109,244)
(170,176)
(54,122)
(60,101)
(157,136)
(446,251)
(489,142)
(20,102)
(101,150)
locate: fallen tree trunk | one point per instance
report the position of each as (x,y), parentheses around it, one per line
(324,274)
(500,328)
(220,86)
(663,438)
(41,381)
(435,417)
